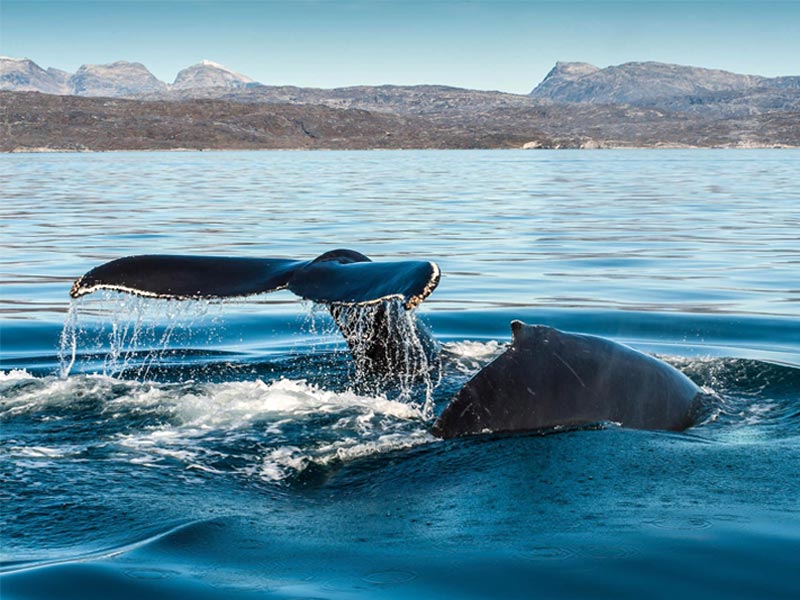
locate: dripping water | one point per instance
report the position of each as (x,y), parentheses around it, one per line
(391,350)
(68,341)
(131,335)
(135,337)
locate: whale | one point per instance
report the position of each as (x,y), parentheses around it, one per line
(549,379)
(366,299)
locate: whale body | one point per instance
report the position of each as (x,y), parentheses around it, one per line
(546,379)
(549,378)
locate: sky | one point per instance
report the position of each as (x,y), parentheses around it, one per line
(481,44)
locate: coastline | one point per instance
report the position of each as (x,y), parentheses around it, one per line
(46,150)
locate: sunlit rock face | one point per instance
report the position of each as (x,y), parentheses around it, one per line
(636,81)
(120,78)
(24,75)
(208,74)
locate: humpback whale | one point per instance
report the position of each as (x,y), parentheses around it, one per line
(342,279)
(549,378)
(546,379)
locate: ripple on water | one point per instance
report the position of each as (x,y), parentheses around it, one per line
(547,553)
(389,577)
(681,523)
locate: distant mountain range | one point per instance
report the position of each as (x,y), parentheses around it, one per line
(637,104)
(119,79)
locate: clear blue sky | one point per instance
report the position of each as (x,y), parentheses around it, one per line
(482,44)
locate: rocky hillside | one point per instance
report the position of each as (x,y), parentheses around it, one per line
(24,75)
(40,122)
(120,78)
(34,121)
(703,93)
(429,101)
(208,74)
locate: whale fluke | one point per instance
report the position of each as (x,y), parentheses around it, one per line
(357,291)
(336,277)
(188,277)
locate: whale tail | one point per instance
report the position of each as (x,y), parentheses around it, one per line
(342,277)
(345,280)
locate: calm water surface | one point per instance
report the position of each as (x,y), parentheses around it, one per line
(225,450)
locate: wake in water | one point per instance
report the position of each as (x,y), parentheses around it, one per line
(262,431)
(291,431)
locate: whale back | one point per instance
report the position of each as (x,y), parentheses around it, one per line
(548,378)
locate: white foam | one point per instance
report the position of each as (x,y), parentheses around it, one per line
(258,424)
(231,405)
(49,392)
(37,452)
(15,375)
(474,350)
(225,411)
(469,356)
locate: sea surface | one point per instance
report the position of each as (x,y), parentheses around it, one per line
(156,449)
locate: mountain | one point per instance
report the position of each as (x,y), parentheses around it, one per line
(24,75)
(208,74)
(60,77)
(120,78)
(637,82)
(706,93)
(562,76)
(578,105)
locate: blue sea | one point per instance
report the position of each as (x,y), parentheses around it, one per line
(162,449)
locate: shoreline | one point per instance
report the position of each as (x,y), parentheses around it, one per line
(46,150)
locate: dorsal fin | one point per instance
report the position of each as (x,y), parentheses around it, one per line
(517,328)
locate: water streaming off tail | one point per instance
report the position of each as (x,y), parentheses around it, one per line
(131,335)
(391,350)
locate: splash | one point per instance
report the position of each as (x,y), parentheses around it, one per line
(468,356)
(265,431)
(391,350)
(134,337)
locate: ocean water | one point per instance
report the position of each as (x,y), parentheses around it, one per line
(230,449)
